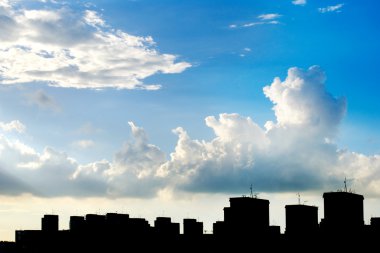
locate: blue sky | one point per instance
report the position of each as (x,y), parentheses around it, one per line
(164,102)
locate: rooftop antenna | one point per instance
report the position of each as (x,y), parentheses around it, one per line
(346,180)
(345,184)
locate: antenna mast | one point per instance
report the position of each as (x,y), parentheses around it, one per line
(251,191)
(299,198)
(345,184)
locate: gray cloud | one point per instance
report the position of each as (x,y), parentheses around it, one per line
(43,100)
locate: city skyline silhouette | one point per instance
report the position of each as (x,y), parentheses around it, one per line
(246,221)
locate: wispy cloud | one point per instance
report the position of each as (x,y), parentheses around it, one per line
(299,2)
(252,24)
(64,47)
(263,19)
(332,8)
(245,50)
(269,16)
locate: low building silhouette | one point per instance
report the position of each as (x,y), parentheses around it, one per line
(192,228)
(77,224)
(165,228)
(117,221)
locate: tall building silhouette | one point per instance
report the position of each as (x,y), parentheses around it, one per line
(301,220)
(49,223)
(244,217)
(343,212)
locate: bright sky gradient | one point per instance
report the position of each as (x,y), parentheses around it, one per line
(168,108)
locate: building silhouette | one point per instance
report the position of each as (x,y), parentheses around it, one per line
(77,223)
(301,220)
(343,213)
(245,226)
(49,223)
(192,228)
(245,216)
(165,228)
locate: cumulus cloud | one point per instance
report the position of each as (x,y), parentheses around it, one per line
(302,100)
(133,171)
(49,173)
(135,166)
(66,48)
(295,152)
(332,8)
(299,2)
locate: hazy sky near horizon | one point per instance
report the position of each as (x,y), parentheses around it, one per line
(169,104)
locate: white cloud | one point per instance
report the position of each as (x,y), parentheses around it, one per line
(273,22)
(92,18)
(5,4)
(302,100)
(269,16)
(299,2)
(252,24)
(291,154)
(14,125)
(332,8)
(295,152)
(67,48)
(42,15)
